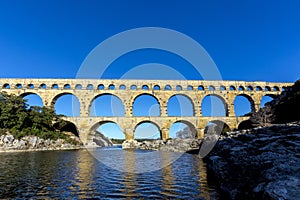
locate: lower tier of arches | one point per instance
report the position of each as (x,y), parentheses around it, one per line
(86,125)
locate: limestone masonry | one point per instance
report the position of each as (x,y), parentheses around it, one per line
(86,90)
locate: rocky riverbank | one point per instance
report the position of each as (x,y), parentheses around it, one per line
(33,143)
(259,163)
(172,145)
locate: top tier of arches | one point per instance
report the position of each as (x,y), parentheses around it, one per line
(162,85)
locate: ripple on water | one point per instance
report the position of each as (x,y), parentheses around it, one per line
(78,175)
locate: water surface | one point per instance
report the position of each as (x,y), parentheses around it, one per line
(78,175)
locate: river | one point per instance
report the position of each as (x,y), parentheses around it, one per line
(78,174)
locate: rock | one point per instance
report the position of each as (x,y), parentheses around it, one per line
(262,163)
(28,143)
(172,145)
(100,140)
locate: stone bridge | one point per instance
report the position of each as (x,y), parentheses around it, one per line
(87,90)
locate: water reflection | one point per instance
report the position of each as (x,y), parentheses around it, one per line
(77,174)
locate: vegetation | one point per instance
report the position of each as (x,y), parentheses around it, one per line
(17,118)
(285,108)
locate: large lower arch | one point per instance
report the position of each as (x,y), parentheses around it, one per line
(147,130)
(243,105)
(213,105)
(109,129)
(216,127)
(106,105)
(247,124)
(145,105)
(180,105)
(68,128)
(66,104)
(33,99)
(182,129)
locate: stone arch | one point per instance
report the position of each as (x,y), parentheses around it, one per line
(122,87)
(54,86)
(276,89)
(30,86)
(156,87)
(23,95)
(267,88)
(241,88)
(189,87)
(90,87)
(111,87)
(186,97)
(178,87)
(246,124)
(145,87)
(19,86)
(182,133)
(69,127)
(133,101)
(232,88)
(249,88)
(249,99)
(225,104)
(122,108)
(43,86)
(220,127)
(6,86)
(76,105)
(168,87)
(222,88)
(78,87)
(133,87)
(201,87)
(211,88)
(258,88)
(150,122)
(95,126)
(100,87)
(67,86)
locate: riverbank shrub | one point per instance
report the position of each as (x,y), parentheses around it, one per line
(18,119)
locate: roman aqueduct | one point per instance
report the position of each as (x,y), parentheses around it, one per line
(86,90)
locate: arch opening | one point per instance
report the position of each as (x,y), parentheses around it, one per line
(147,130)
(68,129)
(32,99)
(78,87)
(243,105)
(122,87)
(247,124)
(6,86)
(43,86)
(200,87)
(146,105)
(178,87)
(107,105)
(19,86)
(214,106)
(168,87)
(106,129)
(216,127)
(180,105)
(156,87)
(182,129)
(100,87)
(66,104)
(89,87)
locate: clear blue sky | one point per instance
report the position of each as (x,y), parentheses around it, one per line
(248,40)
